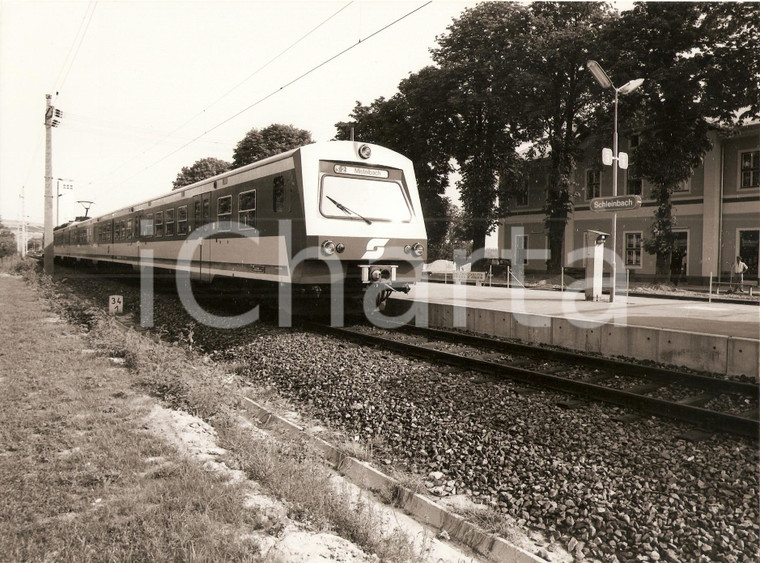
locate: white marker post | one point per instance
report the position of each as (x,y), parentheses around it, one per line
(115,304)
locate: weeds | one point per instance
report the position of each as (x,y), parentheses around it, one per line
(107,501)
(293,471)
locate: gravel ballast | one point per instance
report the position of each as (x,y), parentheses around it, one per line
(606,490)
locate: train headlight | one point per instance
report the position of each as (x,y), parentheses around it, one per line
(407,249)
(340,247)
(418,249)
(328,248)
(365,152)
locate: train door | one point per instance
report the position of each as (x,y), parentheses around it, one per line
(201,220)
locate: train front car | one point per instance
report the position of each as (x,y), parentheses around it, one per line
(362,221)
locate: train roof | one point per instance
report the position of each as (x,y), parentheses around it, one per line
(180,193)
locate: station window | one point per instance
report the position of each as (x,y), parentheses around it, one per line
(521,196)
(633,184)
(169,222)
(633,249)
(247,210)
(593,183)
(749,168)
(683,187)
(182,220)
(159,224)
(278,194)
(147,226)
(224,212)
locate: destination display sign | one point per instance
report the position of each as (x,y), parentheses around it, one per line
(616,203)
(360,171)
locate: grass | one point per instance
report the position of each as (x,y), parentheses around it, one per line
(83,479)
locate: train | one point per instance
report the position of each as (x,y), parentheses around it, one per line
(340,212)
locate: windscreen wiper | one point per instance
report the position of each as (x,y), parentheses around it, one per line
(348,211)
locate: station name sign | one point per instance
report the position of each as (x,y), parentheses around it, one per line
(616,203)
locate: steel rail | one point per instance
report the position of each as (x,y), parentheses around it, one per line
(700,417)
(652,373)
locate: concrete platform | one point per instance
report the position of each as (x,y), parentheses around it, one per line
(721,338)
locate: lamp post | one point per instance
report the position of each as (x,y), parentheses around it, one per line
(605,82)
(68,185)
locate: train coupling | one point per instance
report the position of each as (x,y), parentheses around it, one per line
(379,273)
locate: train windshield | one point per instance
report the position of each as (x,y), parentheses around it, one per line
(363,199)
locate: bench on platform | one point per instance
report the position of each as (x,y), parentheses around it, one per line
(464,277)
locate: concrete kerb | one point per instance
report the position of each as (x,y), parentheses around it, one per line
(743,357)
(693,350)
(640,343)
(577,335)
(714,353)
(421,508)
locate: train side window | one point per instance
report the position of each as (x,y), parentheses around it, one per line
(146,225)
(169,222)
(128,231)
(247,209)
(278,194)
(206,210)
(159,224)
(182,219)
(224,212)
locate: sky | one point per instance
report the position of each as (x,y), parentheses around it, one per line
(147,87)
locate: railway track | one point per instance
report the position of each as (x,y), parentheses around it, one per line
(710,404)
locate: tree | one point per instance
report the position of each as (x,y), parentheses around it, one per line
(701,70)
(414,123)
(274,139)
(556,47)
(202,169)
(456,238)
(7,242)
(481,57)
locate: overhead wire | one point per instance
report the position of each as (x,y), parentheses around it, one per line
(63,74)
(68,63)
(280,89)
(228,92)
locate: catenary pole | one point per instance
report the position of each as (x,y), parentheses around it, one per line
(48,240)
(613,230)
(23,222)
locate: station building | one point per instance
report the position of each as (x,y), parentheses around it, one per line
(717,213)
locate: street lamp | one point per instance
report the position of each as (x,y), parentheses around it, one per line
(605,82)
(67,185)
